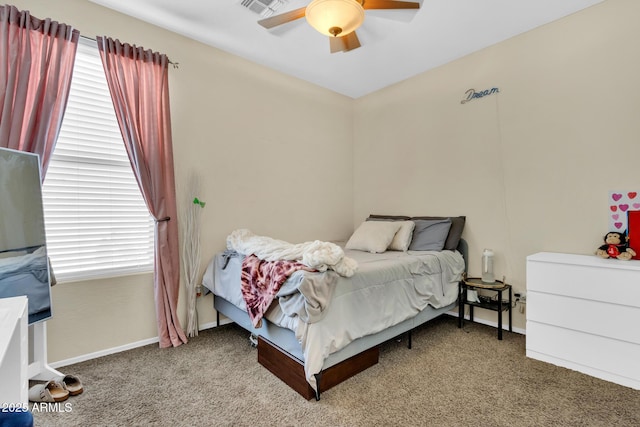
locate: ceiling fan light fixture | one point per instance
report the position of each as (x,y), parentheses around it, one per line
(335,17)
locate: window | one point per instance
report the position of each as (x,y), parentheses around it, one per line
(97,223)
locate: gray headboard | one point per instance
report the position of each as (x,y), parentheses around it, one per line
(463,248)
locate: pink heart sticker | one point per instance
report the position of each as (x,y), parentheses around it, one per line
(616,216)
(613,208)
(624,207)
(636,206)
(632,194)
(618,224)
(616,196)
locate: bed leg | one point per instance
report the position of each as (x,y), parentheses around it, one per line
(318,378)
(409,340)
(217,318)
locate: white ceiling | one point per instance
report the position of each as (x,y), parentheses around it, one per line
(396,44)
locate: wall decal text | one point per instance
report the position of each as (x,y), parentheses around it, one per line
(472,94)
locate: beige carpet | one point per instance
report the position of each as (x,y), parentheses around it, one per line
(451,377)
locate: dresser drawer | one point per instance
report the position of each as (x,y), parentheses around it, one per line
(611,320)
(611,281)
(602,357)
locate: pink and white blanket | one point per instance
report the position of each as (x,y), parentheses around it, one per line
(260,282)
(269,262)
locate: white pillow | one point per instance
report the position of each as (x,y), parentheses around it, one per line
(373,236)
(402,239)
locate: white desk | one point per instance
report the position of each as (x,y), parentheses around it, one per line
(14,350)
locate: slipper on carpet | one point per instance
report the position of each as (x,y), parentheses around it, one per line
(51,391)
(71,383)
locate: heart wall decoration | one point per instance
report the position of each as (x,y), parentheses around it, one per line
(621,202)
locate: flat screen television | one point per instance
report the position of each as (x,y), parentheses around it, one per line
(24,264)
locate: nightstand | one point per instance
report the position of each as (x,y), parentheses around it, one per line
(497,304)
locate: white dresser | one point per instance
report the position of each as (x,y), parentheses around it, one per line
(583,313)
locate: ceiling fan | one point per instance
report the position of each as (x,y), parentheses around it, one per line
(337,19)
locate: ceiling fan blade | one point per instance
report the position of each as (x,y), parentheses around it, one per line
(351,41)
(335,44)
(344,43)
(390,4)
(283,18)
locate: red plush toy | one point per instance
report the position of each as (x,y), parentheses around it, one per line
(616,246)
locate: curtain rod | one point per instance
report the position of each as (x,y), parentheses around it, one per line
(175,64)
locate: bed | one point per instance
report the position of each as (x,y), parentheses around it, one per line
(324,327)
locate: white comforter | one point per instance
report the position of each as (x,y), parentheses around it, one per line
(318,255)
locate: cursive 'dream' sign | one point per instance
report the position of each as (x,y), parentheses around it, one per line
(472,94)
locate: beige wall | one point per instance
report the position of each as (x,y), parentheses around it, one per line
(272,153)
(530,167)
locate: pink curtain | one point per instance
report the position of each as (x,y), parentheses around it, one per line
(36,65)
(139,86)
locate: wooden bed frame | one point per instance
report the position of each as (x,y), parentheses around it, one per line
(287,363)
(285,359)
(291,369)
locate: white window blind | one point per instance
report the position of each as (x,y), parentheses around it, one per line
(96,221)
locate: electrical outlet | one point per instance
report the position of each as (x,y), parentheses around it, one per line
(520,296)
